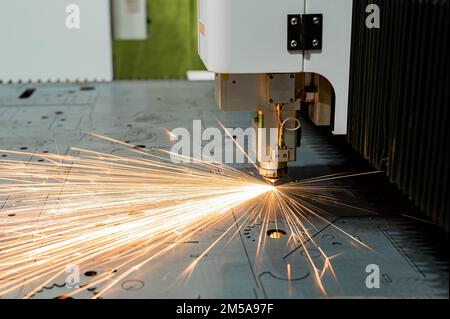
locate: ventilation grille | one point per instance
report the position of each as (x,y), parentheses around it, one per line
(399,98)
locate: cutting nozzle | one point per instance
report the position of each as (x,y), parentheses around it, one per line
(273,175)
(274,181)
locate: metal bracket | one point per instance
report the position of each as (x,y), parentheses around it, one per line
(304,32)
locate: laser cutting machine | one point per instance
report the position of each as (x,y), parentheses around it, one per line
(273,57)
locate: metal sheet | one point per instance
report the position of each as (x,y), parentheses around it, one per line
(411,262)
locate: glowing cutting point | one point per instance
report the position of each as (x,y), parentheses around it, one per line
(276,233)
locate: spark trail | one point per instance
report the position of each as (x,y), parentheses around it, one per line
(125,211)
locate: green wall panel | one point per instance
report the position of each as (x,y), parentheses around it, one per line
(169,51)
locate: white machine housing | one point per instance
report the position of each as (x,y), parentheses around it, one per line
(249,37)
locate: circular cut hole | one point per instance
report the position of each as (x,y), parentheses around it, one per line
(276,233)
(87,88)
(90,273)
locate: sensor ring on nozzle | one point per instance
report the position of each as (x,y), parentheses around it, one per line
(289,128)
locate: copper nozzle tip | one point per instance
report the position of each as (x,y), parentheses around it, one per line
(274,181)
(273,173)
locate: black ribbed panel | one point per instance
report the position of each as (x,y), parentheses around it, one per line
(399,98)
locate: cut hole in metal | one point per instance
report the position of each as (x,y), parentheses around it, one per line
(27,93)
(131,285)
(87,88)
(90,273)
(276,233)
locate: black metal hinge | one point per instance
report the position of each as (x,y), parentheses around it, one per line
(304,32)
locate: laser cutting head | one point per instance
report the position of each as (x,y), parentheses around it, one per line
(273,100)
(269,57)
(254,73)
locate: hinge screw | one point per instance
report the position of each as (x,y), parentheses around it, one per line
(294,21)
(315,43)
(293,44)
(316,20)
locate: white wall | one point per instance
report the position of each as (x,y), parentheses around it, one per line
(36,45)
